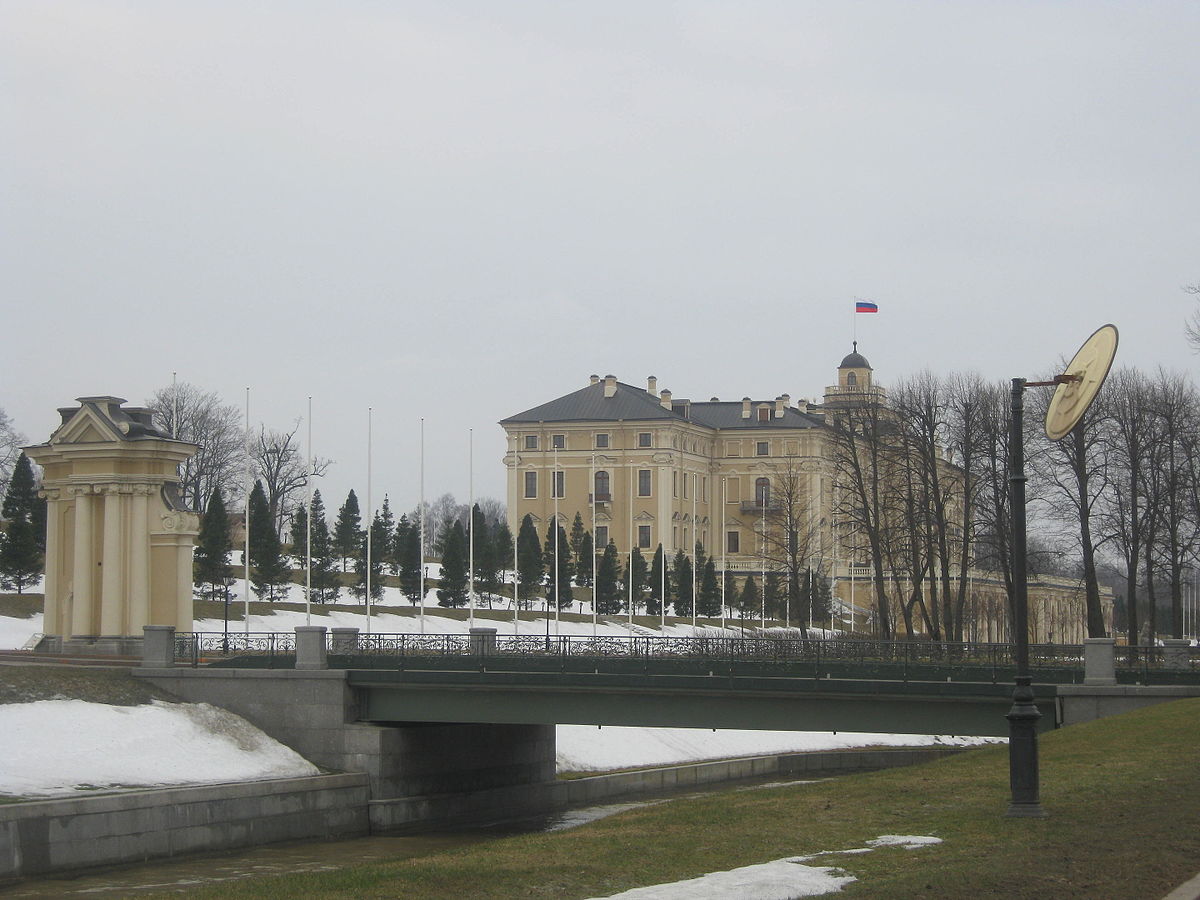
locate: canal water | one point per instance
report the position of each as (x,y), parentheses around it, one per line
(182,875)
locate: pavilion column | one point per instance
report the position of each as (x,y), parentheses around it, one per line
(112,605)
(82,564)
(183,591)
(139,562)
(52,620)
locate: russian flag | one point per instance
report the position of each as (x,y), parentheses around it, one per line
(865,306)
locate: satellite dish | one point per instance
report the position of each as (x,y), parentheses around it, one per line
(1081,381)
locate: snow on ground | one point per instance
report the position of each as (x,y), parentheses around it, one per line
(15,632)
(65,747)
(780,879)
(586,748)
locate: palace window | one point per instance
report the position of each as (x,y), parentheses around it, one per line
(531,442)
(645,439)
(560,484)
(601,538)
(530,485)
(644,537)
(762,492)
(602,442)
(643,482)
(603,487)
(764,414)
(558,441)
(731,542)
(762,448)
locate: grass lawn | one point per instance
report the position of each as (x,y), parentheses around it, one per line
(1123,796)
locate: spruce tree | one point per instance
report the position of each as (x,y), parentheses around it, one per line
(637,563)
(211,561)
(773,595)
(22,500)
(683,584)
(452,589)
(530,567)
(608,596)
(583,561)
(387,554)
(748,601)
(709,601)
(299,535)
(325,582)
(347,533)
(729,586)
(407,541)
(577,533)
(565,568)
(655,599)
(486,575)
(502,541)
(20,560)
(269,569)
(380,535)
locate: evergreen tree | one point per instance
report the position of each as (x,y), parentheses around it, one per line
(325,581)
(269,569)
(486,571)
(608,597)
(22,500)
(387,545)
(683,584)
(211,560)
(583,561)
(748,604)
(565,568)
(502,541)
(380,535)
(639,573)
(773,595)
(299,535)
(655,600)
(452,590)
(730,589)
(347,535)
(530,567)
(577,533)
(20,561)
(709,601)
(412,566)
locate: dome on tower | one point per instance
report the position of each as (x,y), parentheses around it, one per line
(855,360)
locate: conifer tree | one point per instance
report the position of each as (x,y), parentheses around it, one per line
(709,601)
(452,590)
(347,534)
(380,534)
(639,574)
(325,582)
(608,597)
(22,500)
(655,599)
(565,568)
(773,595)
(577,532)
(583,560)
(387,549)
(299,536)
(683,584)
(269,569)
(530,567)
(502,541)
(486,575)
(730,591)
(748,601)
(211,560)
(407,541)
(20,561)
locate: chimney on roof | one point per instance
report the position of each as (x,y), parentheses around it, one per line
(745,407)
(665,399)
(714,400)
(652,385)
(802,404)
(595,379)
(780,406)
(610,385)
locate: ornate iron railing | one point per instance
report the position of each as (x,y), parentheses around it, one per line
(277,648)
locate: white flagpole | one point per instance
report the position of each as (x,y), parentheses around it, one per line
(516,583)
(695,559)
(630,585)
(174,407)
(765,498)
(369,521)
(246,546)
(471,527)
(592,495)
(421,514)
(308,531)
(724,549)
(662,589)
(554,532)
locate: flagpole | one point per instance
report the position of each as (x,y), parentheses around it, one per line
(724,551)
(592,495)
(174,407)
(630,579)
(246,545)
(421,513)
(369,521)
(554,532)
(308,527)
(662,588)
(695,558)
(471,526)
(765,499)
(516,580)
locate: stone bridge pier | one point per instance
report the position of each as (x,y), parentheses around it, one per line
(431,773)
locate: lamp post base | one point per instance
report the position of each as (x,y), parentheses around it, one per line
(1023,752)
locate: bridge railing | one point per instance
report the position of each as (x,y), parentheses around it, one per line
(275,649)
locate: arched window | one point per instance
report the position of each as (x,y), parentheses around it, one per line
(603,482)
(851,379)
(762,492)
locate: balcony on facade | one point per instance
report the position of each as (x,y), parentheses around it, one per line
(758,506)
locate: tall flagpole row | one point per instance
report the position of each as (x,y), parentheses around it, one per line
(308,526)
(369,518)
(246,545)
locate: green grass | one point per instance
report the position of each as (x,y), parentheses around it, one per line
(1123,822)
(20,606)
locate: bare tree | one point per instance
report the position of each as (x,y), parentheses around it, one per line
(283,470)
(791,538)
(1192,327)
(192,414)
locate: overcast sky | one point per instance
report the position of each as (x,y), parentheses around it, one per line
(461,210)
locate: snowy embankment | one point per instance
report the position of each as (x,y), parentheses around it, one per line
(64,747)
(134,736)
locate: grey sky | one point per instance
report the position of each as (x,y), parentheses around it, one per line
(461,210)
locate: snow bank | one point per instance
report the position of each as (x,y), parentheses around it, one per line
(15,632)
(62,747)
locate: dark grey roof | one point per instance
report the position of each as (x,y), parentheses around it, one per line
(855,360)
(635,404)
(589,404)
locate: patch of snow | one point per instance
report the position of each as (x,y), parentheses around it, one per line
(905,841)
(65,747)
(15,632)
